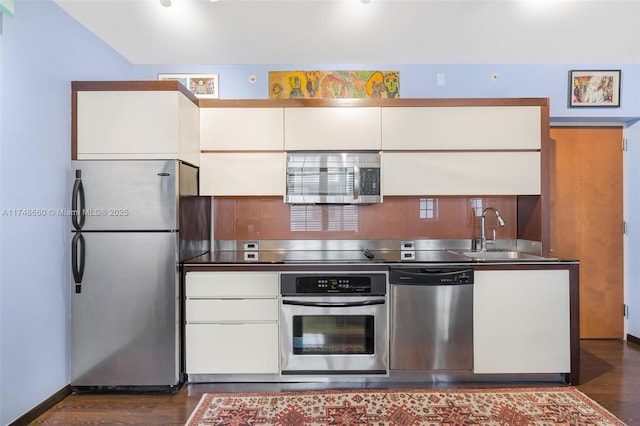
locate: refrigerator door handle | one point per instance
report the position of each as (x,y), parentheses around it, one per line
(77,194)
(77,267)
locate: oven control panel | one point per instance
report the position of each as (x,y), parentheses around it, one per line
(317,284)
(333,285)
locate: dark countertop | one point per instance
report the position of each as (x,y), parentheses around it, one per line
(338,257)
(325,256)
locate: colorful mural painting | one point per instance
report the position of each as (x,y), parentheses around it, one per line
(333,84)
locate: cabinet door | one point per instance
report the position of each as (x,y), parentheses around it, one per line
(461,173)
(237,174)
(189,131)
(521,322)
(454,128)
(232,348)
(241,129)
(123,124)
(339,128)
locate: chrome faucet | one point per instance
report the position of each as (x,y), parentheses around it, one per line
(483,237)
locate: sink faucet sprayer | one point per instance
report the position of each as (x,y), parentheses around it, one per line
(483,237)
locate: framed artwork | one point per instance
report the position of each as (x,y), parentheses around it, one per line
(204,86)
(594,88)
(7,7)
(333,84)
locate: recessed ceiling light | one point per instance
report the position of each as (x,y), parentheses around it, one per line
(165,3)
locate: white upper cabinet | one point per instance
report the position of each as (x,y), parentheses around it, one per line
(461,128)
(137,125)
(242,173)
(332,128)
(461,173)
(242,129)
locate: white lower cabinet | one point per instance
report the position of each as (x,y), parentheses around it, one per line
(231,323)
(232,348)
(521,321)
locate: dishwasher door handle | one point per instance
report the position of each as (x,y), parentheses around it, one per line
(436,272)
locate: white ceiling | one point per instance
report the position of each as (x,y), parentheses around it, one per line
(350,32)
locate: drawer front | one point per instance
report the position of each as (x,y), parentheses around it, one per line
(246,310)
(232,349)
(232,284)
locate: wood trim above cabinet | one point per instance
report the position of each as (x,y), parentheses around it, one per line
(132,86)
(74,124)
(168,85)
(414,102)
(547,160)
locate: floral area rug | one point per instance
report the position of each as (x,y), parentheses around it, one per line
(378,407)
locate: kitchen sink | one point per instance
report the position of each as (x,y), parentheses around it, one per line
(503,255)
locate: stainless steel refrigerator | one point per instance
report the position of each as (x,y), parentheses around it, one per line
(133,221)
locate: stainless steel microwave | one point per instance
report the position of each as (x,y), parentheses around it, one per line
(333,178)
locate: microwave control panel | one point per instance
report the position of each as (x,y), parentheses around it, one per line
(369,181)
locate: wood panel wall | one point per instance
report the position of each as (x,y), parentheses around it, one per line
(587,221)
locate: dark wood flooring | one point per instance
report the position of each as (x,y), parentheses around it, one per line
(610,375)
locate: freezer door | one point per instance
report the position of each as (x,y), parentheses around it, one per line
(124,312)
(128,195)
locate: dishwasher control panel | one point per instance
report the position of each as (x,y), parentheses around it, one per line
(431,276)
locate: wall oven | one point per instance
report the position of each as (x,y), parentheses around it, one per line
(334,323)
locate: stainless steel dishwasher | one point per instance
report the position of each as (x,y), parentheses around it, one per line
(431,324)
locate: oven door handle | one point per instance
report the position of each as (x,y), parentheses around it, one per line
(334,304)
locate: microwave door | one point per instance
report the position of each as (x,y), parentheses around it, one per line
(333,178)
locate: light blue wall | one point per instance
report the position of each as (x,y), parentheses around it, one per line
(1,385)
(632,239)
(419,81)
(43,49)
